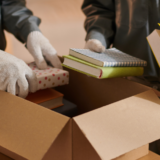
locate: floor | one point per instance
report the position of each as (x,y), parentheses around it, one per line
(62,23)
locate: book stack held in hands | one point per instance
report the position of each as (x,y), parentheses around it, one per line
(111,63)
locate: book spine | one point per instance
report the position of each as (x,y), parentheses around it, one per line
(101,72)
(121,72)
(125,64)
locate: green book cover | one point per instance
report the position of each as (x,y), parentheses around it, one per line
(108,72)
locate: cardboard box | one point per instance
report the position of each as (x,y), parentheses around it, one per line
(135,154)
(128,120)
(91,129)
(154,41)
(151,156)
(117,128)
(4,157)
(31,132)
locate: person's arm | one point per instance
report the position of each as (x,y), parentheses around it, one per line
(17,19)
(100,20)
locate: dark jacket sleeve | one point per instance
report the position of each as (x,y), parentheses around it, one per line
(17,19)
(100,20)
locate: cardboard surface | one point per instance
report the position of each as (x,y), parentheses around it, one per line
(135,154)
(61,149)
(154,41)
(27,131)
(82,149)
(4,157)
(120,127)
(150,156)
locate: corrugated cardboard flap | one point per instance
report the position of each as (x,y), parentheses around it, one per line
(154,41)
(125,125)
(27,130)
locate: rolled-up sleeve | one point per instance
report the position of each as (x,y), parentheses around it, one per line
(100,20)
(18,20)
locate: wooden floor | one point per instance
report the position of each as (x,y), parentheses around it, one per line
(62,23)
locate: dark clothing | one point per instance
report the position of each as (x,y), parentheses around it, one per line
(125,24)
(16,19)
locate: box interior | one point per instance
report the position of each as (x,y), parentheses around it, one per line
(89,93)
(92,96)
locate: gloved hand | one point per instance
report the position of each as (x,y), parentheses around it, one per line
(94,45)
(41,49)
(15,72)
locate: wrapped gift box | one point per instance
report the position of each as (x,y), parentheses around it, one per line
(50,77)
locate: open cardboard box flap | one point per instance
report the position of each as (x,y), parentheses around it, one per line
(28,131)
(154,41)
(101,132)
(122,126)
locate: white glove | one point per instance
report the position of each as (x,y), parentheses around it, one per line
(94,45)
(41,49)
(15,72)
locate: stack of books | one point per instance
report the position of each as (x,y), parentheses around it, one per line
(111,63)
(52,99)
(48,98)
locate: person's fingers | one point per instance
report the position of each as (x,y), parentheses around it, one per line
(23,86)
(51,55)
(11,88)
(94,45)
(55,61)
(38,57)
(32,80)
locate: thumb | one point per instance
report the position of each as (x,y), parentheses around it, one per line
(55,61)
(51,55)
(32,80)
(94,45)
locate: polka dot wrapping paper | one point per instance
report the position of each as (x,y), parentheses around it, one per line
(50,77)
